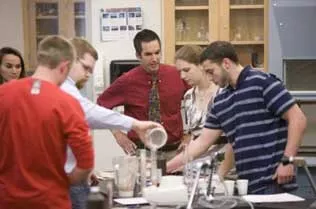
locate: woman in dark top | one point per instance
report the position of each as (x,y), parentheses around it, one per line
(11,65)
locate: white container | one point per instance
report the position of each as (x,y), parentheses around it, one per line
(230,186)
(171,191)
(157,138)
(242,186)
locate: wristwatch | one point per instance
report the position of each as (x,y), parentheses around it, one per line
(285,160)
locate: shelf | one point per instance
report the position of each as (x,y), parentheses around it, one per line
(46,17)
(80,16)
(217,20)
(247,42)
(43,36)
(180,43)
(192,7)
(247,6)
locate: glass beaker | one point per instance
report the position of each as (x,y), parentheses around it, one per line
(126,173)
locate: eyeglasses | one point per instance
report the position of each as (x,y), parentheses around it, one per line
(86,67)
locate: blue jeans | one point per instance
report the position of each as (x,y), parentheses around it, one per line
(78,195)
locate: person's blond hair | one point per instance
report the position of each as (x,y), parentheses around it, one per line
(82,46)
(189,53)
(53,50)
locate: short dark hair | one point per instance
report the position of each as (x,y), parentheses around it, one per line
(145,35)
(218,50)
(9,50)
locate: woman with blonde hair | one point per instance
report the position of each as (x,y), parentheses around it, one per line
(200,96)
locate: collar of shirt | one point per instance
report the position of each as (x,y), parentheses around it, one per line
(70,81)
(242,76)
(149,74)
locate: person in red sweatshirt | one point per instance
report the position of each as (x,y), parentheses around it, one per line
(37,122)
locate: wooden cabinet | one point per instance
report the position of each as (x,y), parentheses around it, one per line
(51,17)
(188,22)
(242,22)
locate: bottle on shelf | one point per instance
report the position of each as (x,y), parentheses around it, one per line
(202,33)
(256,62)
(95,199)
(237,36)
(181,29)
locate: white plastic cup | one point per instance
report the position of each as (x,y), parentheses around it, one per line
(230,186)
(242,186)
(157,138)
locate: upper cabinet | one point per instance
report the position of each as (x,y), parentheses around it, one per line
(188,22)
(51,17)
(242,22)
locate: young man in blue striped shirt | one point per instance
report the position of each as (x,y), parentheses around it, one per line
(260,118)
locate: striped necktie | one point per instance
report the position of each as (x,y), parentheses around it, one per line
(154,104)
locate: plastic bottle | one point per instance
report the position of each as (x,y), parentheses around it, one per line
(95,199)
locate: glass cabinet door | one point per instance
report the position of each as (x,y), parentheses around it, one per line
(46,19)
(52,17)
(200,22)
(192,22)
(247,20)
(246,30)
(189,22)
(80,18)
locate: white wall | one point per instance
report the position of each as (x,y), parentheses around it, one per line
(151,10)
(11,24)
(105,144)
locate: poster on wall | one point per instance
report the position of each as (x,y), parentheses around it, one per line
(120,23)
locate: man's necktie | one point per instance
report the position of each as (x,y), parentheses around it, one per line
(154,104)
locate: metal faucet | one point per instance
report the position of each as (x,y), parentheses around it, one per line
(200,165)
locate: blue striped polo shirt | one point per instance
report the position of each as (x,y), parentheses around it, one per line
(250,116)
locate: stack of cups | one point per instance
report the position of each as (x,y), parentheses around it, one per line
(242,187)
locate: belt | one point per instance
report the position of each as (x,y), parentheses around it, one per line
(170,147)
(166,148)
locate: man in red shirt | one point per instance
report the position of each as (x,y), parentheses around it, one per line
(37,122)
(132,91)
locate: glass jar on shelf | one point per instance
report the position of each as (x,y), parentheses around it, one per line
(239,27)
(235,2)
(202,34)
(252,2)
(237,34)
(257,30)
(180,29)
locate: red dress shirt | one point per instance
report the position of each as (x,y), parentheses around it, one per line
(132,91)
